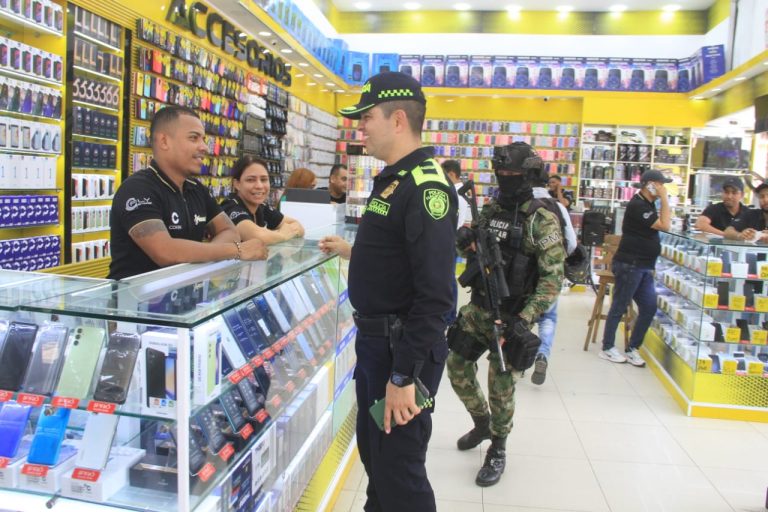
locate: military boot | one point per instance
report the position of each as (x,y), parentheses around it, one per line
(477,435)
(495,462)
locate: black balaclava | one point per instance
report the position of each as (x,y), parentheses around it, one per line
(517,156)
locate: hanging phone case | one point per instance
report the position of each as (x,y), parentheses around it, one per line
(16,353)
(117,368)
(155,374)
(47,360)
(13,423)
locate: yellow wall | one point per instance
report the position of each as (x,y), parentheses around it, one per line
(718,12)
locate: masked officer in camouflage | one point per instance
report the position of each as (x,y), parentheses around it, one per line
(530,240)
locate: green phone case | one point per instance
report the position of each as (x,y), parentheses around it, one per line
(377,409)
(80,364)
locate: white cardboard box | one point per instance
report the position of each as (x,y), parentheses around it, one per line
(113,478)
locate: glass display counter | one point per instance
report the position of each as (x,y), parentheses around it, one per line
(709,336)
(240,363)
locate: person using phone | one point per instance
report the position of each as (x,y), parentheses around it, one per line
(337,183)
(753,225)
(555,186)
(161,215)
(400,272)
(716,217)
(247,205)
(634,263)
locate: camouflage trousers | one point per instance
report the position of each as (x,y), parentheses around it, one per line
(477,323)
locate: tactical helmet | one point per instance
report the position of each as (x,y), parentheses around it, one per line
(577,266)
(517,156)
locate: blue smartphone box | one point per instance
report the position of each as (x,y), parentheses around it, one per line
(384,62)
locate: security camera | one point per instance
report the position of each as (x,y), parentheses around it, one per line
(274,43)
(546,98)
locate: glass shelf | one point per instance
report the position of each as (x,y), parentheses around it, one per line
(19,288)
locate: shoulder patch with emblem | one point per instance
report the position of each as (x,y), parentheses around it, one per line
(549,240)
(647,215)
(390,189)
(436,203)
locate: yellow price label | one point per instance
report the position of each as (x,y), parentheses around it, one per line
(759,337)
(755,368)
(737,302)
(733,335)
(761,304)
(729,366)
(710,300)
(715,268)
(764,271)
(704,365)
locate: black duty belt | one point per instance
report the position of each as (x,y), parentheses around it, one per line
(375,325)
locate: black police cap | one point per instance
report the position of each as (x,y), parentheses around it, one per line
(384,87)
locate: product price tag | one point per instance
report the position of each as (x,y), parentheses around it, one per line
(313,362)
(64,402)
(89,475)
(268,353)
(710,300)
(261,416)
(246,370)
(292,334)
(290,386)
(276,401)
(755,368)
(761,304)
(257,361)
(235,377)
(307,322)
(4,461)
(37,470)
(704,365)
(321,349)
(759,337)
(317,315)
(101,407)
(715,268)
(29,399)
(732,335)
(302,374)
(282,342)
(226,453)
(729,366)
(5,395)
(764,271)
(207,472)
(296,331)
(246,432)
(737,302)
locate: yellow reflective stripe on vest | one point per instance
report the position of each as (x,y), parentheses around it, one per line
(429,171)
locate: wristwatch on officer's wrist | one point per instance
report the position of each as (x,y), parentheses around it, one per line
(400,380)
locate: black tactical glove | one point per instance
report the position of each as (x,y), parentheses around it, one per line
(521,344)
(464,238)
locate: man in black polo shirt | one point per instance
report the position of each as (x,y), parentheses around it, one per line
(337,183)
(160,216)
(753,225)
(716,217)
(400,273)
(633,266)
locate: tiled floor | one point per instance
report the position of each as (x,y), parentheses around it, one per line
(595,437)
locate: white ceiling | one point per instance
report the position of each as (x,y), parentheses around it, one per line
(529,5)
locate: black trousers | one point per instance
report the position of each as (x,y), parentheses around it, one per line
(394,462)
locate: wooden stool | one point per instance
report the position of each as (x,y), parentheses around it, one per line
(605,278)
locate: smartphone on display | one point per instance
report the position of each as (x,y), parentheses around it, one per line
(234,414)
(155,374)
(16,353)
(49,434)
(197,457)
(13,424)
(213,436)
(117,368)
(252,395)
(97,441)
(47,360)
(170,376)
(80,362)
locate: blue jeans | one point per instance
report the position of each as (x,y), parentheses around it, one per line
(636,283)
(547,324)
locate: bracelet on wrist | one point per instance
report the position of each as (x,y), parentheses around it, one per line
(239,255)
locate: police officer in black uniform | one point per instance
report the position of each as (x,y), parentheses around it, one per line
(160,216)
(400,274)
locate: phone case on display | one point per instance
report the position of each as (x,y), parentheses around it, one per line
(155,374)
(170,376)
(15,355)
(49,434)
(13,424)
(210,428)
(80,363)
(117,368)
(47,359)
(97,441)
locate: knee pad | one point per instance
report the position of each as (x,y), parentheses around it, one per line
(463,343)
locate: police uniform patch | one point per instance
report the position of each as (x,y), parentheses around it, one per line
(390,189)
(436,203)
(378,207)
(549,240)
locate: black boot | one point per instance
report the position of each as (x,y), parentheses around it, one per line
(475,436)
(495,462)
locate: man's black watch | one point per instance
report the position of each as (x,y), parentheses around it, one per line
(400,380)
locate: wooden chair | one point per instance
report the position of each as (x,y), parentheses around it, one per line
(605,279)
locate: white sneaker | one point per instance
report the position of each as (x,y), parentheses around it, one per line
(613,355)
(634,358)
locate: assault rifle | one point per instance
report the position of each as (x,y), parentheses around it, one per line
(490,266)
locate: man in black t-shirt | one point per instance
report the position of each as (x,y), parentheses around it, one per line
(337,183)
(633,266)
(160,216)
(754,222)
(716,217)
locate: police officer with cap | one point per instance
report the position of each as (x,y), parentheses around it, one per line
(531,244)
(161,215)
(400,274)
